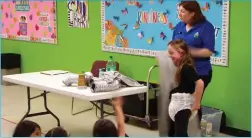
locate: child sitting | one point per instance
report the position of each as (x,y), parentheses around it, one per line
(106,128)
(27,128)
(57,132)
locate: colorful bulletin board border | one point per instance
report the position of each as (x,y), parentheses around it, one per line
(121,33)
(29,20)
(77,13)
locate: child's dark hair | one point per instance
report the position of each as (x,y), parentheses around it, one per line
(57,132)
(187,59)
(104,128)
(25,128)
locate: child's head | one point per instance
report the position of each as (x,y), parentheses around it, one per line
(104,128)
(57,132)
(179,52)
(27,128)
(180,55)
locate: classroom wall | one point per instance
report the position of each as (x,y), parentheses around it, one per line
(78,48)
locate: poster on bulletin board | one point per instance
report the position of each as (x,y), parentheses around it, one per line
(77,13)
(29,20)
(144,27)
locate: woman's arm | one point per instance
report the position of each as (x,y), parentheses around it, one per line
(201,52)
(118,102)
(199,87)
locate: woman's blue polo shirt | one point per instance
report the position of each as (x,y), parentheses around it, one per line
(201,35)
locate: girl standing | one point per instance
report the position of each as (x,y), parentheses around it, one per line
(186,96)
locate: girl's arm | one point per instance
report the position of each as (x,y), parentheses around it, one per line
(199,88)
(120,121)
(119,116)
(190,75)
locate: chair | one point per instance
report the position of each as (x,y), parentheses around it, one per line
(98,64)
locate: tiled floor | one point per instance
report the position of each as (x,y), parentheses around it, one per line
(14,106)
(7,128)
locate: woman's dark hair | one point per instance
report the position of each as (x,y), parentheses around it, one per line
(57,132)
(104,128)
(193,6)
(25,128)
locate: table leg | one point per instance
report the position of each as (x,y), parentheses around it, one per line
(29,98)
(79,111)
(102,110)
(29,104)
(48,110)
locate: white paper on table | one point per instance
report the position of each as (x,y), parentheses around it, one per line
(54,72)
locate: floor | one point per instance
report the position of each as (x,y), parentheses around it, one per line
(14,106)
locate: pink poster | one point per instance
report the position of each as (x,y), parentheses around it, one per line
(29,20)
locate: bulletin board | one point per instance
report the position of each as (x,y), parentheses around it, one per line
(29,20)
(144,27)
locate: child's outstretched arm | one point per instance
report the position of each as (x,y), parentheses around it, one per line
(199,88)
(117,103)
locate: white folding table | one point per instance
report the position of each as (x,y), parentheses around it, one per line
(53,83)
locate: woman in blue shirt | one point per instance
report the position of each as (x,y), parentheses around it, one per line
(199,34)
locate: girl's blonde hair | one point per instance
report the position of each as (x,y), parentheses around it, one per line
(181,46)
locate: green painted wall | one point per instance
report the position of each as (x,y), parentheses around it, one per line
(78,48)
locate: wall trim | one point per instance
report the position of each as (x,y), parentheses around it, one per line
(235,132)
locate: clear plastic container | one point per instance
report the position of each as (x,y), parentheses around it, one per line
(211,121)
(100,73)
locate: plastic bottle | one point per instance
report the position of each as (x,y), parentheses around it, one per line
(100,73)
(111,66)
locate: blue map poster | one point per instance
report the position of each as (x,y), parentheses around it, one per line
(144,27)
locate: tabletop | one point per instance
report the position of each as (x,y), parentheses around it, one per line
(53,83)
